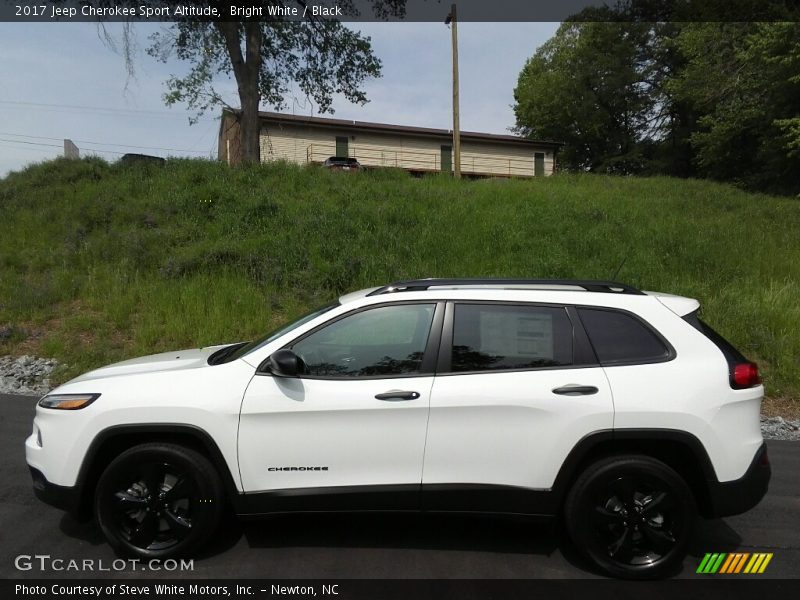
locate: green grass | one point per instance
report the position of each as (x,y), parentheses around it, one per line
(100,262)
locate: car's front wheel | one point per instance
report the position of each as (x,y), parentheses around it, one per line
(632,516)
(158,500)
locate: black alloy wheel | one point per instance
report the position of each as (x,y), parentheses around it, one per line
(632,516)
(635,521)
(158,500)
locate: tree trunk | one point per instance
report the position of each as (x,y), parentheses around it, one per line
(247,70)
(249,130)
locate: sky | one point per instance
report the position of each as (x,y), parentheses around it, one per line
(59,80)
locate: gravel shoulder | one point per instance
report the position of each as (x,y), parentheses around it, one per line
(778,428)
(28,375)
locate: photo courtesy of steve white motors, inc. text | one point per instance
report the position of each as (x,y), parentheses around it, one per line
(171,590)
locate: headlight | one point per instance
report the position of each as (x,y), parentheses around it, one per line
(68,401)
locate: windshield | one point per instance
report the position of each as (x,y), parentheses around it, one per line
(244,349)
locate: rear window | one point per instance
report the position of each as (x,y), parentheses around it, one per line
(619,337)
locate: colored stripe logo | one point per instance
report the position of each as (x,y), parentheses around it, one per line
(734,563)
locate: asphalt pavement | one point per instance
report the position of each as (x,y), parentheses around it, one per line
(365,546)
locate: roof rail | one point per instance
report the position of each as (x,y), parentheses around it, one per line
(416,285)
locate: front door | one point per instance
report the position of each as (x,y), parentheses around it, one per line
(358,414)
(538,164)
(515,393)
(341,146)
(446,161)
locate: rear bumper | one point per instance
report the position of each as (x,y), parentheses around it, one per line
(64,498)
(738,496)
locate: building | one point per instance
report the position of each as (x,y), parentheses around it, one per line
(302,140)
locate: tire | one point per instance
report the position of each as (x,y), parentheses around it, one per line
(632,516)
(158,500)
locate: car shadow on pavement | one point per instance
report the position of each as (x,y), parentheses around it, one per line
(85,531)
(713,535)
(230,533)
(434,532)
(479,533)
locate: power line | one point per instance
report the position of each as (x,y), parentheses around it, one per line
(96,113)
(43,150)
(55,146)
(41,137)
(36,137)
(31,143)
(98,108)
(139,147)
(99,151)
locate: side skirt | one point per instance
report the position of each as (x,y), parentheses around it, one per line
(438,498)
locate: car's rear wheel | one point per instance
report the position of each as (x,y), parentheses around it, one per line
(632,516)
(158,500)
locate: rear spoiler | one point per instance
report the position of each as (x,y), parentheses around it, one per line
(680,305)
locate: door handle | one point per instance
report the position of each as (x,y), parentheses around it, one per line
(575,390)
(397,395)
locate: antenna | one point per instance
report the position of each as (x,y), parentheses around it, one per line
(619,268)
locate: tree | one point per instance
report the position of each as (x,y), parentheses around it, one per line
(743,80)
(321,56)
(596,87)
(719,100)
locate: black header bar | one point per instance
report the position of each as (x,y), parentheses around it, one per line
(398,10)
(709,588)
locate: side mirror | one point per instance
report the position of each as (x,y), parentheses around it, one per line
(282,363)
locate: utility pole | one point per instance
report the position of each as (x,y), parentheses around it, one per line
(453,22)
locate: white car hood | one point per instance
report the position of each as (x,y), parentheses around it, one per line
(166,361)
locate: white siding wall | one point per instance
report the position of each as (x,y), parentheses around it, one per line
(301,144)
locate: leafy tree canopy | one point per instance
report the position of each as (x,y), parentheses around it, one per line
(718,100)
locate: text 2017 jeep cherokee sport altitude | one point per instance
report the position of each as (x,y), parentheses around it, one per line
(618,410)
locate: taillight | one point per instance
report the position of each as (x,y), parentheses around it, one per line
(745,375)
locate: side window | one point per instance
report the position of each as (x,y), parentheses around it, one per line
(388,340)
(488,337)
(619,337)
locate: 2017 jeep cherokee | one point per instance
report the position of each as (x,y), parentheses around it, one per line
(616,409)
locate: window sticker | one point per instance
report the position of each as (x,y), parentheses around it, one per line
(520,334)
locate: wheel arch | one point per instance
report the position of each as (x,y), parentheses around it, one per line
(110,442)
(680,450)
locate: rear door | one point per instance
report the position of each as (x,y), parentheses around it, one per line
(517,387)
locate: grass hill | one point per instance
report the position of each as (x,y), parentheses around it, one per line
(101,262)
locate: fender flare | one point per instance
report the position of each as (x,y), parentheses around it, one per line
(609,441)
(90,466)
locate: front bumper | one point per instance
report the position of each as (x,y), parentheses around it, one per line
(64,498)
(735,497)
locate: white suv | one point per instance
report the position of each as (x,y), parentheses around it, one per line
(616,409)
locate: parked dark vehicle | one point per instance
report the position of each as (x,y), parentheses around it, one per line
(130,159)
(341,163)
